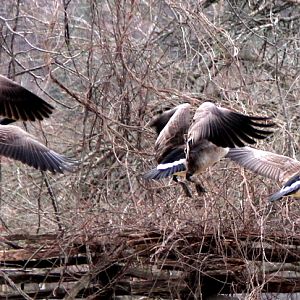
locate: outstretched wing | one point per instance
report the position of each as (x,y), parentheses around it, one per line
(171,127)
(17,144)
(226,128)
(278,167)
(18,103)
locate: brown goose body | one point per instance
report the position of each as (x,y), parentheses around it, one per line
(187,147)
(271,165)
(203,156)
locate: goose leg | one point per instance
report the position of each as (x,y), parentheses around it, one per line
(199,188)
(184,186)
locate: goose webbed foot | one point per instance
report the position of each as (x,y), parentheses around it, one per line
(184,187)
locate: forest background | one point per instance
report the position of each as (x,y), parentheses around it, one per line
(108,67)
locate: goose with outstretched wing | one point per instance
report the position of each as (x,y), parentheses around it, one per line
(185,147)
(271,165)
(18,103)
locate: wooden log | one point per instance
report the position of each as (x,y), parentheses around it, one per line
(153,263)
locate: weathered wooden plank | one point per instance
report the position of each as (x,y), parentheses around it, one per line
(46,262)
(40,253)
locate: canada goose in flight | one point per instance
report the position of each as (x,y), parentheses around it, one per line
(211,133)
(277,167)
(18,103)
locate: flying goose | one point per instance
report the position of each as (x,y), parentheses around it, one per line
(210,134)
(18,103)
(277,167)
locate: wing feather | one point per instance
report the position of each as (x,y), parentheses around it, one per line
(172,134)
(226,128)
(18,144)
(18,103)
(278,167)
